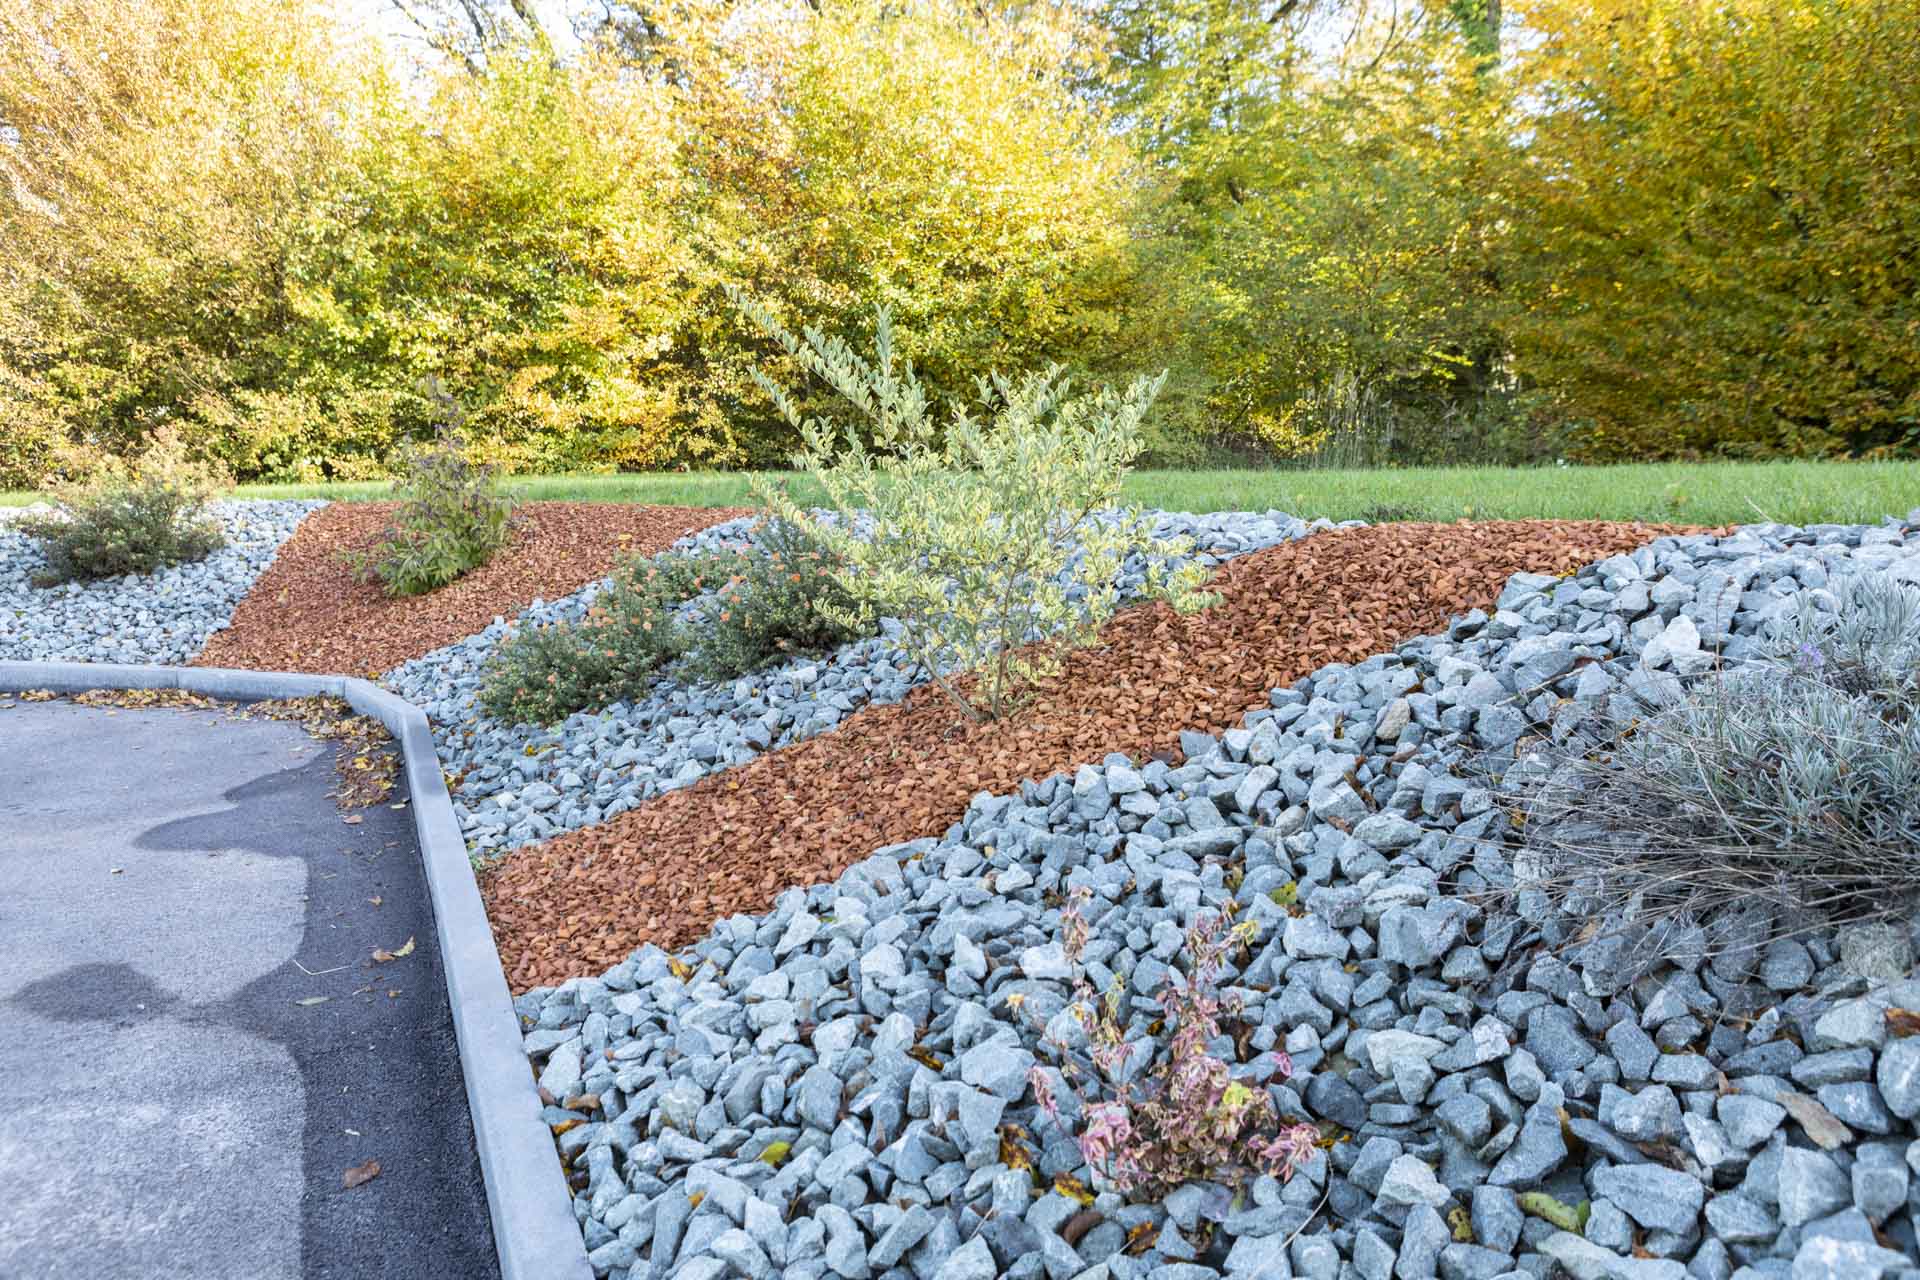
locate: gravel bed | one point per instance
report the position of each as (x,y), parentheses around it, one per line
(164,617)
(522,783)
(882,1027)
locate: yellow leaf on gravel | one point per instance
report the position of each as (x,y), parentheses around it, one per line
(1562,1215)
(1072,1188)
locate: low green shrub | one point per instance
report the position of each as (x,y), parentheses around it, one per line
(545,673)
(452,518)
(994,541)
(130,518)
(752,607)
(1792,781)
(781,599)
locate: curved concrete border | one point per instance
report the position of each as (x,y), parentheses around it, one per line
(534,1230)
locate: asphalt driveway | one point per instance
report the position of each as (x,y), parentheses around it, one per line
(196,1043)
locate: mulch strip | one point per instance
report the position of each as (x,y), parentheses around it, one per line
(664,872)
(308,613)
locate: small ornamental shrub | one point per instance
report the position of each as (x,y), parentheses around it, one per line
(712,616)
(1791,781)
(130,518)
(780,599)
(451,520)
(993,540)
(632,629)
(1186,1117)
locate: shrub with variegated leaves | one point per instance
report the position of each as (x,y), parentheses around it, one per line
(996,540)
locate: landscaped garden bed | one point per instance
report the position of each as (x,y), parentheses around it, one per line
(866,1079)
(733,841)
(160,617)
(820,973)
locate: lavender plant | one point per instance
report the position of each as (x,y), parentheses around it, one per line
(1791,781)
(1186,1118)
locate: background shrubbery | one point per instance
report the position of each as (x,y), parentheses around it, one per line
(1352,231)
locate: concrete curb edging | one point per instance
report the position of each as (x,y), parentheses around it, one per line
(534,1231)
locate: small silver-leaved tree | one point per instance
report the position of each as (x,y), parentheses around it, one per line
(994,540)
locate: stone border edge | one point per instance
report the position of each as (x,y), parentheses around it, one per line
(534,1232)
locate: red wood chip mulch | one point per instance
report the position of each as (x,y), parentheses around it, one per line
(666,871)
(307,613)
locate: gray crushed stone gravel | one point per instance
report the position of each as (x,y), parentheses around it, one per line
(162,618)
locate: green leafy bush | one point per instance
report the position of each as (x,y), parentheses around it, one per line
(1792,781)
(545,673)
(780,599)
(136,518)
(751,607)
(451,520)
(993,541)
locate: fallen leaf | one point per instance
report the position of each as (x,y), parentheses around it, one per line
(382,955)
(776,1153)
(1013,1150)
(1902,1023)
(1072,1188)
(1562,1215)
(679,968)
(1821,1124)
(360,1174)
(1462,1223)
(1078,1225)
(313,1000)
(374,900)
(352,819)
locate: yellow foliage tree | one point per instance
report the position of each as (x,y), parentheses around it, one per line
(159,162)
(931,157)
(1720,224)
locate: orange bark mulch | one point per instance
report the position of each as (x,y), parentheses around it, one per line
(307,612)
(664,872)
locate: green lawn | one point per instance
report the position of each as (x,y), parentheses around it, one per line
(1703,493)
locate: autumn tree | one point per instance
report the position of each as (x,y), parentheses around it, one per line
(1721,229)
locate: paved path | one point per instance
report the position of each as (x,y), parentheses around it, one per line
(168,1106)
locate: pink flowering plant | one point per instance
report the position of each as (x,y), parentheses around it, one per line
(1185,1118)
